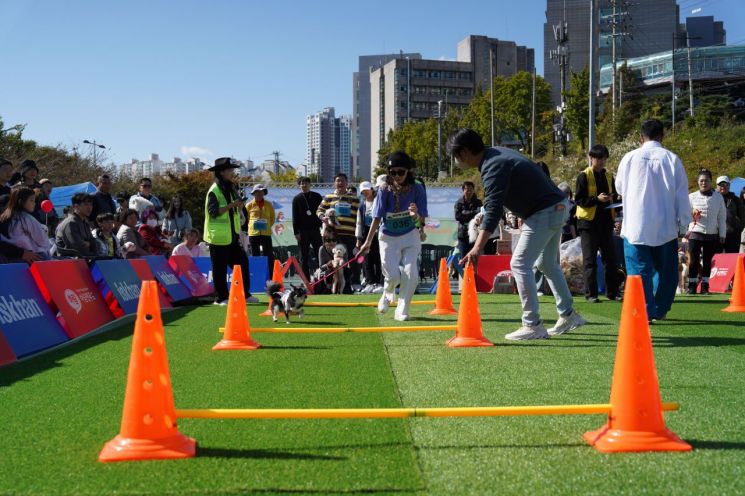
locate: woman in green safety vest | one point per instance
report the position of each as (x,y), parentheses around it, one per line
(222,225)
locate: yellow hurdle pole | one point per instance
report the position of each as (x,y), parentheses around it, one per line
(360,304)
(346,413)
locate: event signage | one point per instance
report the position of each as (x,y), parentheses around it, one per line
(167,278)
(722,272)
(142,269)
(6,352)
(190,275)
(258,271)
(68,287)
(119,284)
(25,319)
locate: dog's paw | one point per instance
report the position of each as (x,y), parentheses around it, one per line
(274,319)
(287,321)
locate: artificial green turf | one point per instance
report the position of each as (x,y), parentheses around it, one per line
(57,410)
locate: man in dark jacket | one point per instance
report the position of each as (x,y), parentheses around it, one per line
(466,209)
(595,193)
(735,216)
(511,180)
(103,202)
(74,237)
(6,172)
(305,223)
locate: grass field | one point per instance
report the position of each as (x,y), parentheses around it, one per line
(57,410)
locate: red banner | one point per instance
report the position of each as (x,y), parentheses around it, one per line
(722,272)
(68,288)
(6,353)
(145,274)
(190,275)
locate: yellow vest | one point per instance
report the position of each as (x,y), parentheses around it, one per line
(217,230)
(588,213)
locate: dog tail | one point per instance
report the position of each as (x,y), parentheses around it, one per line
(272,287)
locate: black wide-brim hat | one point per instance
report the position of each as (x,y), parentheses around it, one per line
(400,159)
(223,163)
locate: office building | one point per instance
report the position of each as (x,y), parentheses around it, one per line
(328,144)
(704,31)
(360,130)
(507,58)
(343,146)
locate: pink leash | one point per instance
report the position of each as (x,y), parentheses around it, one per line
(358,259)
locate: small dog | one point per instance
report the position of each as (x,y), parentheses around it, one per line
(339,281)
(473,228)
(291,299)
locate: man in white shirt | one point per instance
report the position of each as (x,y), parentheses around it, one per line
(654,187)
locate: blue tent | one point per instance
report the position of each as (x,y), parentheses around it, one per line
(736,184)
(62,195)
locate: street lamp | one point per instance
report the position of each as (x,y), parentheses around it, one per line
(94,145)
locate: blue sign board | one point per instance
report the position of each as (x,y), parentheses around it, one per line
(168,278)
(119,278)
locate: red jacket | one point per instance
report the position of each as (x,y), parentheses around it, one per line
(152,236)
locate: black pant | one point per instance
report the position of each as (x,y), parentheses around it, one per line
(265,244)
(310,242)
(373,266)
(221,257)
(695,247)
(352,271)
(731,243)
(464,247)
(591,240)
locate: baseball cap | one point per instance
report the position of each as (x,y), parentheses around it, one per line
(723,179)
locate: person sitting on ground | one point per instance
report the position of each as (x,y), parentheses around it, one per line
(190,246)
(73,236)
(150,231)
(23,230)
(108,245)
(326,262)
(51,220)
(133,243)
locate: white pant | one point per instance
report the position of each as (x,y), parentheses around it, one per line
(399,254)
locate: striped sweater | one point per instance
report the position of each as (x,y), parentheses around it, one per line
(346,207)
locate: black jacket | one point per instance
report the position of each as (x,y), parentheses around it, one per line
(464,212)
(301,221)
(603,217)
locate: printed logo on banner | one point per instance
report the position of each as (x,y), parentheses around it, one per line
(128,292)
(13,311)
(167,278)
(79,297)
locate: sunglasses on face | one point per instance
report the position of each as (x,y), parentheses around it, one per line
(397,172)
(329,241)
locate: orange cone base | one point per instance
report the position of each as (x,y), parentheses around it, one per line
(734,308)
(232,344)
(122,449)
(464,342)
(608,440)
(443,311)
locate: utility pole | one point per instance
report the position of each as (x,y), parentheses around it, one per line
(439,137)
(591,105)
(672,81)
(613,58)
(276,161)
(617,19)
(94,146)
(532,121)
(690,75)
(491,91)
(561,56)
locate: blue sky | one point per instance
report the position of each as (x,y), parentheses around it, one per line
(228,77)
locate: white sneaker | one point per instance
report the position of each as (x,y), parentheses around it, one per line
(528,332)
(377,289)
(566,324)
(401,317)
(252,299)
(221,303)
(383,304)
(356,288)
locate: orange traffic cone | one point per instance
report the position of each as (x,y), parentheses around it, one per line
(737,300)
(469,332)
(443,298)
(276,277)
(148,429)
(635,422)
(237,329)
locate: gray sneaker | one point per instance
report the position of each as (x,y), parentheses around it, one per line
(537,331)
(566,324)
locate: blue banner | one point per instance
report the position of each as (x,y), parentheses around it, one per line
(168,278)
(258,270)
(25,319)
(119,278)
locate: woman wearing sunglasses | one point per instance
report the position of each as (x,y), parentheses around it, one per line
(401,207)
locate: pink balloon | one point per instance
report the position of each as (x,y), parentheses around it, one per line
(47,206)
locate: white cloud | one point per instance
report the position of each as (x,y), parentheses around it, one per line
(195,151)
(444,58)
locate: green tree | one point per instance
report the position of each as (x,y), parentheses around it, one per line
(578,108)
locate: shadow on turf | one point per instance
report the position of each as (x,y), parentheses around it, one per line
(53,358)
(265,347)
(261,454)
(702,341)
(715,445)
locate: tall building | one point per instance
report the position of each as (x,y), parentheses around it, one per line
(343,146)
(507,58)
(360,143)
(704,31)
(642,27)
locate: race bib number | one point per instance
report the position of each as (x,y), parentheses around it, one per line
(343,209)
(399,223)
(368,219)
(260,224)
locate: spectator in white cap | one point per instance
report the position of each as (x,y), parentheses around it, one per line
(260,222)
(735,216)
(373,270)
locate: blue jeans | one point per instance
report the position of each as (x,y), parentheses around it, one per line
(539,247)
(658,266)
